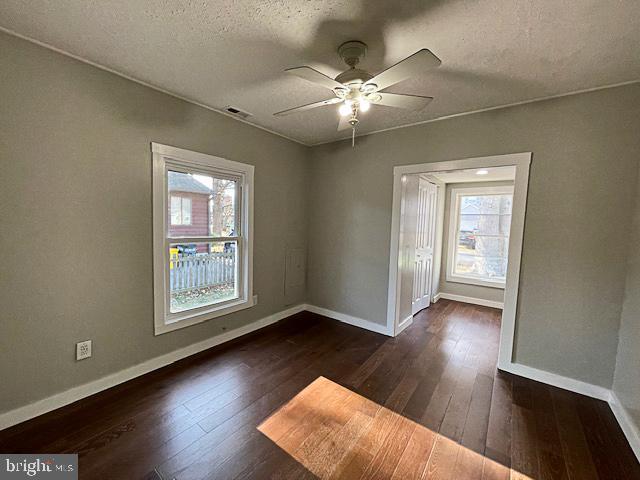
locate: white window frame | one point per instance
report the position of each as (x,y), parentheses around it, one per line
(167,158)
(454,213)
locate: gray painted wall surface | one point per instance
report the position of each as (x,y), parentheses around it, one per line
(626,383)
(456,288)
(75,210)
(583,174)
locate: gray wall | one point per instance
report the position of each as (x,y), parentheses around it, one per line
(626,383)
(583,174)
(75,210)
(456,288)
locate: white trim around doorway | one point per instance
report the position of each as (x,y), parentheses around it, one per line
(522,163)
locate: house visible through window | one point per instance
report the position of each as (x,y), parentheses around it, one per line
(479,235)
(202,238)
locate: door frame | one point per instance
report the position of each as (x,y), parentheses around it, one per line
(522,162)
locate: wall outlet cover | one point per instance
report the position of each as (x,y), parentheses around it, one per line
(83,350)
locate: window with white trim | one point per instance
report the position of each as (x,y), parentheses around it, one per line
(480,221)
(202,228)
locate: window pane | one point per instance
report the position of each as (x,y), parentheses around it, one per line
(486,204)
(480,224)
(202,274)
(175,211)
(186,211)
(223,208)
(483,236)
(492,246)
(506,203)
(494,268)
(505,224)
(207,205)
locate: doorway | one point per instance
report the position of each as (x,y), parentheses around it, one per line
(427,250)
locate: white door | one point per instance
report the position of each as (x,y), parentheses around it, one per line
(425,240)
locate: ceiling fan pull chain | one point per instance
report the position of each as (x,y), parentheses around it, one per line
(353,136)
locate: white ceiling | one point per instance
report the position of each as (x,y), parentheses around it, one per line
(494,174)
(220,53)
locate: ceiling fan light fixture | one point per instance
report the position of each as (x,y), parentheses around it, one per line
(355,89)
(345,109)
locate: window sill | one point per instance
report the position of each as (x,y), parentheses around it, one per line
(476,281)
(189,320)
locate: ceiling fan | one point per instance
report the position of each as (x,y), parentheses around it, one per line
(356,90)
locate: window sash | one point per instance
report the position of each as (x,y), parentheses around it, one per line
(179,167)
(453,275)
(171,317)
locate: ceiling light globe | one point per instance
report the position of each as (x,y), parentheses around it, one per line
(344,110)
(364,105)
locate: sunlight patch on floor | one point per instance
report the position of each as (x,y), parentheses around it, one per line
(336,433)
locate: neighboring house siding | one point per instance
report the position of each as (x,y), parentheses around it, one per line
(199,217)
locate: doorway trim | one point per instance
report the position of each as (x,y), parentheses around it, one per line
(522,162)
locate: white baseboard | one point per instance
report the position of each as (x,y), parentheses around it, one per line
(566,383)
(630,429)
(473,300)
(74,394)
(436,297)
(404,324)
(355,321)
(20,414)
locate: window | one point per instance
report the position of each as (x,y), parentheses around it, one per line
(480,221)
(180,210)
(202,228)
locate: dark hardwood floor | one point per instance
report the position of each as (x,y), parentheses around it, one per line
(310,397)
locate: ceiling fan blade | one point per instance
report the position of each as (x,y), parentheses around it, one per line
(410,102)
(309,106)
(343,124)
(311,75)
(411,66)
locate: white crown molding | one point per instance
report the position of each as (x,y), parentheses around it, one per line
(227,114)
(482,110)
(146,84)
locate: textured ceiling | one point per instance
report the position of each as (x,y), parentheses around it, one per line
(493,52)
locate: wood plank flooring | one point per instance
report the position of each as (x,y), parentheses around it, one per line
(313,398)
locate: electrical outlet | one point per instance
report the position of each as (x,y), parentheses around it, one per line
(83,350)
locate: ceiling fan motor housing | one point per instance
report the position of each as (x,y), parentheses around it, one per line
(352,52)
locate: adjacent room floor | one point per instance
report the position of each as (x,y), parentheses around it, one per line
(311,397)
